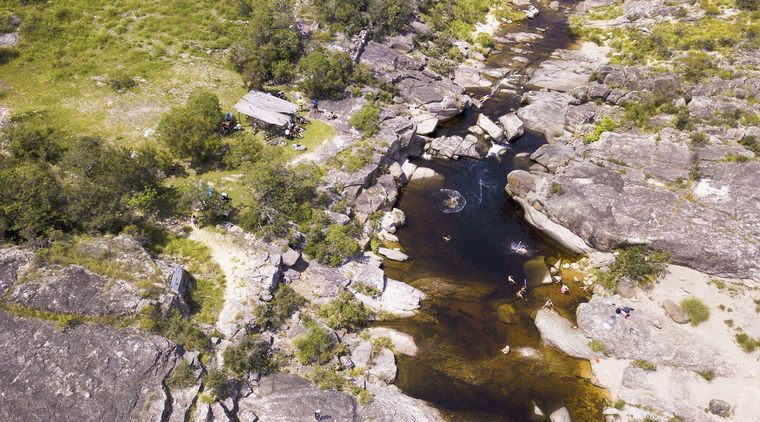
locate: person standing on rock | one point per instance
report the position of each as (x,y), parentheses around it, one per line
(318,415)
(564,289)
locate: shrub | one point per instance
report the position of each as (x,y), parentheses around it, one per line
(283,304)
(217,384)
(604,125)
(266,51)
(709,375)
(344,312)
(747,343)
(751,143)
(366,120)
(120,81)
(182,376)
(484,39)
(191,131)
(333,246)
(645,365)
(250,355)
(243,149)
(324,76)
(33,141)
(640,264)
(619,404)
(598,346)
(556,189)
(696,310)
(698,139)
(313,346)
(177,329)
(697,66)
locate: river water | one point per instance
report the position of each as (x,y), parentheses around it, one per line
(464,236)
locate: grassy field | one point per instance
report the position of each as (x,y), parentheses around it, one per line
(76,62)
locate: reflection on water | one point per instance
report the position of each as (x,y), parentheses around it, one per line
(462,260)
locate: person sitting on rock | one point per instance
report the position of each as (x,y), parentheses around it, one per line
(521,293)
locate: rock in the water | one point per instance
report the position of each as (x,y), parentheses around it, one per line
(85,371)
(675,312)
(558,332)
(383,366)
(719,407)
(393,254)
(423,173)
(513,126)
(426,124)
(560,415)
(495,132)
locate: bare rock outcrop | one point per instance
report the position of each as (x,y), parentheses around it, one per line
(88,372)
(630,189)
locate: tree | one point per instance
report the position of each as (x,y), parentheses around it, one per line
(270,46)
(344,312)
(30,200)
(244,149)
(331,247)
(30,141)
(217,383)
(324,76)
(191,131)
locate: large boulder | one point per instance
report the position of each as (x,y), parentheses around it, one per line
(623,190)
(675,312)
(513,126)
(545,113)
(83,373)
(495,132)
(568,69)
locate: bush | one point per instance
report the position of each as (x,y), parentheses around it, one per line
(697,66)
(709,375)
(604,125)
(640,264)
(191,131)
(250,355)
(217,384)
(698,139)
(645,365)
(619,404)
(324,76)
(313,346)
(182,376)
(120,81)
(269,47)
(383,17)
(751,143)
(174,327)
(32,141)
(243,149)
(598,346)
(273,313)
(333,246)
(344,312)
(366,120)
(747,343)
(696,310)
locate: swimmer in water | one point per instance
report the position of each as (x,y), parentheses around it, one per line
(510,279)
(447,237)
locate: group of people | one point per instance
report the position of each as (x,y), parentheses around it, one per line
(293,129)
(524,289)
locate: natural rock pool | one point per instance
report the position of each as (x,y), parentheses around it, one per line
(465,236)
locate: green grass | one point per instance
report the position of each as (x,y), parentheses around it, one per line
(207,291)
(696,310)
(315,134)
(100,256)
(71,52)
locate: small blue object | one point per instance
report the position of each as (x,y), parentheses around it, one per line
(210,191)
(228,116)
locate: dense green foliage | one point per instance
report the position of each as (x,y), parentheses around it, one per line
(273,313)
(313,346)
(191,131)
(383,17)
(270,45)
(333,245)
(84,186)
(281,194)
(637,263)
(696,310)
(217,384)
(366,120)
(174,327)
(604,125)
(243,148)
(323,75)
(249,355)
(644,364)
(747,343)
(345,312)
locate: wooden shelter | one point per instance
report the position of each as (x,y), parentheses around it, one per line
(266,108)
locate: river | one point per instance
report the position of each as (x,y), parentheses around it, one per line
(462,251)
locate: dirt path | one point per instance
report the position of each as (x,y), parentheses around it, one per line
(243,268)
